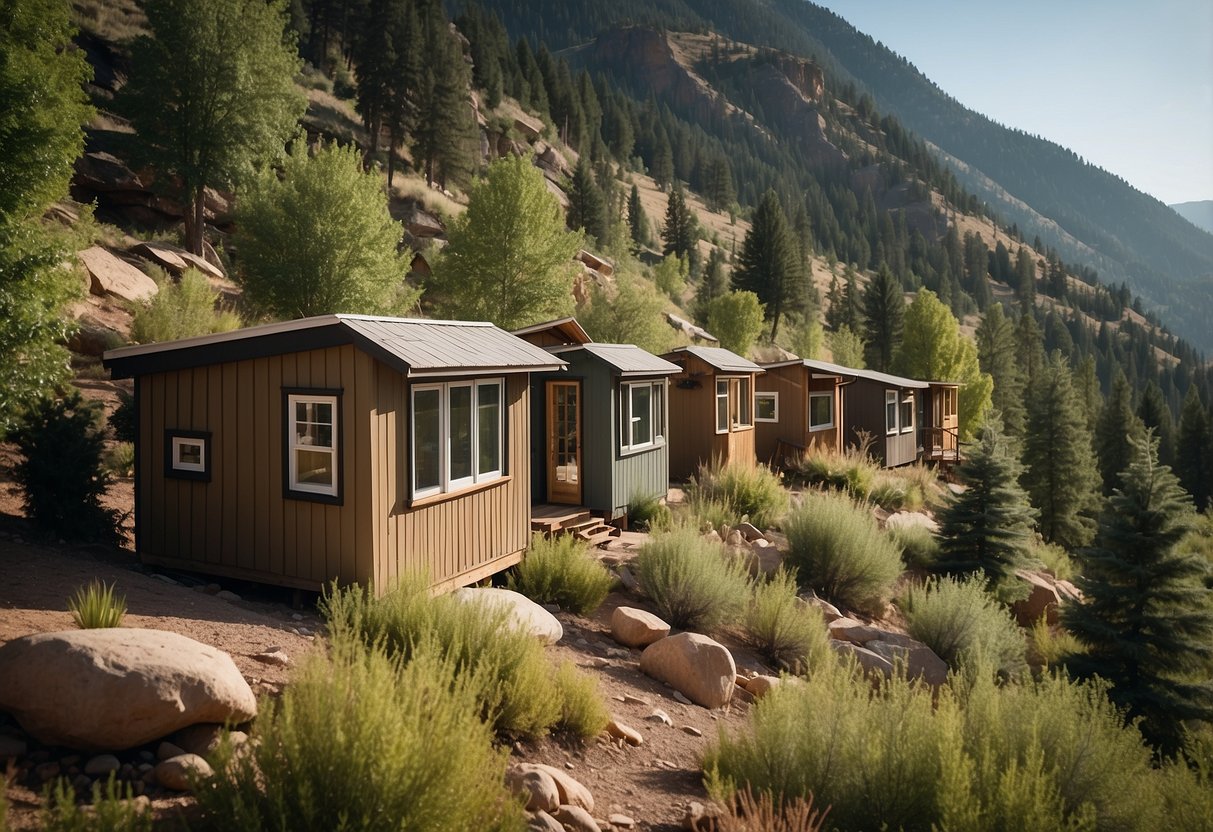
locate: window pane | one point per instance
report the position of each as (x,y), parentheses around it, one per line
(659,410)
(764,406)
(189,453)
(314,467)
(427,428)
(722,405)
(642,416)
(907,414)
(890,411)
(821,411)
(488,403)
(461,432)
(744,401)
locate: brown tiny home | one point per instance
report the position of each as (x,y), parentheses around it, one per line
(711,409)
(339,447)
(799,405)
(887,409)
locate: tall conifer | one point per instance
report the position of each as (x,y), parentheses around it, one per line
(587,208)
(997,356)
(769,264)
(1115,430)
(1192,462)
(883,317)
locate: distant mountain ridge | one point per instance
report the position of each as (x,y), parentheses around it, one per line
(1199,213)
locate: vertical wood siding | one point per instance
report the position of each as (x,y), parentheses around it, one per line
(693,437)
(864,403)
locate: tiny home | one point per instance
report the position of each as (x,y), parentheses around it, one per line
(598,430)
(885,408)
(799,405)
(339,447)
(711,409)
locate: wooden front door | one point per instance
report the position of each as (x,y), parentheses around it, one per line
(564,442)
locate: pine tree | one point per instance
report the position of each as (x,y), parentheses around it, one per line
(996,355)
(1061,478)
(587,208)
(852,302)
(1192,462)
(883,317)
(769,264)
(681,229)
(834,308)
(1145,618)
(713,284)
(1116,430)
(718,184)
(638,223)
(1155,415)
(662,165)
(1029,344)
(988,527)
(1086,385)
(444,131)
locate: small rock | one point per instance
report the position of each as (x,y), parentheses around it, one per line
(637,628)
(47,771)
(296,616)
(82,783)
(576,819)
(622,821)
(227,595)
(167,750)
(628,699)
(598,662)
(760,686)
(202,739)
(699,817)
(305,631)
(680,698)
(11,746)
(750,532)
(166,579)
(176,773)
(571,791)
(628,579)
(102,765)
(624,732)
(661,716)
(735,538)
(276,656)
(712,536)
(848,629)
(692,730)
(543,822)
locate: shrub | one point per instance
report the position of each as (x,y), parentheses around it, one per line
(1054,559)
(182,309)
(959,620)
(582,712)
(562,571)
(122,420)
(745,813)
(120,460)
(708,513)
(61,471)
(919,546)
(852,470)
(694,583)
(839,551)
(895,493)
(647,511)
(750,492)
(360,740)
(1050,646)
(783,628)
(97,606)
(112,809)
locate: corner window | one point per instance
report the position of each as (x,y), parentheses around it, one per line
(722,405)
(312,453)
(187,454)
(890,411)
(456,435)
(743,403)
(766,407)
(821,411)
(642,411)
(907,413)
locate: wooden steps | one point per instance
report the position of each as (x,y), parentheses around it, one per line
(580,522)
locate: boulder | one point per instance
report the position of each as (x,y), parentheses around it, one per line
(620,731)
(421,223)
(760,686)
(701,669)
(536,787)
(750,532)
(543,822)
(828,611)
(873,664)
(162,255)
(179,773)
(572,793)
(1043,599)
(576,819)
(110,276)
(637,628)
(919,660)
(848,629)
(112,689)
(524,614)
(908,519)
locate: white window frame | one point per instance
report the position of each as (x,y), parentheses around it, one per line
(907,398)
(891,398)
(766,394)
(657,411)
(178,442)
(728,410)
(446,484)
(745,402)
(293,446)
(828,397)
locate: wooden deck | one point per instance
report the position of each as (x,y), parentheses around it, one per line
(552,520)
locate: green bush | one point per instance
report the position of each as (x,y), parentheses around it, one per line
(182,309)
(919,546)
(851,470)
(582,712)
(506,668)
(119,460)
(784,629)
(61,471)
(360,740)
(840,553)
(1053,558)
(694,582)
(896,493)
(1050,646)
(751,493)
(122,420)
(707,513)
(960,621)
(112,809)
(97,606)
(648,512)
(562,571)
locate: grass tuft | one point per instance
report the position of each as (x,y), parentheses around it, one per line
(111,809)
(694,583)
(562,571)
(648,512)
(97,606)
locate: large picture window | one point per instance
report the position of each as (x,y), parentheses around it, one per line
(890,411)
(456,435)
(312,445)
(642,411)
(766,407)
(821,411)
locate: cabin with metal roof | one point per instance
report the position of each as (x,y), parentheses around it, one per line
(599,429)
(799,405)
(886,410)
(712,409)
(340,447)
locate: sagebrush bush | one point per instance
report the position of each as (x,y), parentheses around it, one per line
(506,668)
(694,582)
(895,493)
(746,813)
(61,471)
(648,512)
(111,809)
(1054,559)
(582,711)
(781,627)
(119,460)
(919,546)
(562,571)
(961,622)
(707,513)
(360,740)
(1050,646)
(851,470)
(182,309)
(840,552)
(751,492)
(97,606)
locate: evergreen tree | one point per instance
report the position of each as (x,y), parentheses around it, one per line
(661,168)
(1116,431)
(1145,619)
(1029,345)
(1086,385)
(638,223)
(1192,462)
(834,309)
(1060,476)
(405,87)
(713,284)
(587,208)
(718,184)
(769,264)
(883,316)
(852,302)
(996,355)
(1156,415)
(443,140)
(1025,278)
(681,229)
(988,527)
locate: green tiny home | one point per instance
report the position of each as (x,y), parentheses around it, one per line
(599,429)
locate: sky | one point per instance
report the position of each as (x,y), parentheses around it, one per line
(1125,84)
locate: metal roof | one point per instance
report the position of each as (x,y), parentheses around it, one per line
(567,328)
(826,367)
(415,347)
(629,360)
(721,359)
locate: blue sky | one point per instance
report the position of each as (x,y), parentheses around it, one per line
(1126,85)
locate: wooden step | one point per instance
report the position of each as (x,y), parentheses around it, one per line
(598,535)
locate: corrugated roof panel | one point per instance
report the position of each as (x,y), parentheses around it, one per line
(627,359)
(722,359)
(428,347)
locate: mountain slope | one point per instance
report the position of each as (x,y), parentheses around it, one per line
(1200,213)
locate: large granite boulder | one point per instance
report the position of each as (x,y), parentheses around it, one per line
(112,689)
(632,627)
(110,276)
(699,668)
(524,614)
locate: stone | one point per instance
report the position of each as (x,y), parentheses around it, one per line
(82,783)
(828,611)
(760,686)
(620,820)
(11,747)
(543,822)
(628,579)
(179,773)
(872,663)
(701,669)
(735,538)
(637,628)
(538,788)
(523,613)
(661,716)
(908,519)
(848,629)
(576,819)
(629,699)
(679,696)
(162,255)
(692,731)
(167,750)
(227,595)
(624,732)
(750,532)
(202,740)
(275,656)
(920,661)
(571,791)
(117,688)
(1043,599)
(700,817)
(109,275)
(102,765)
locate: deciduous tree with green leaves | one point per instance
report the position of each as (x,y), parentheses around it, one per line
(510,256)
(736,319)
(212,94)
(846,347)
(633,315)
(320,239)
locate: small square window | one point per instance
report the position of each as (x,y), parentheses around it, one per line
(766,407)
(821,411)
(187,454)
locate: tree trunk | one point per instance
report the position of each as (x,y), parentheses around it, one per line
(195,218)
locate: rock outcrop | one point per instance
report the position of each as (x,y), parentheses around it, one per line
(108,275)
